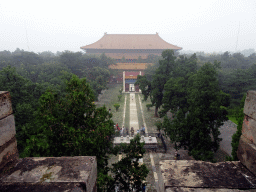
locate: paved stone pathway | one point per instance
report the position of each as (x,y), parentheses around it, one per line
(133,113)
(135,124)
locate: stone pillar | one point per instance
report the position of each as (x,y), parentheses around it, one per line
(8,144)
(246,152)
(123,81)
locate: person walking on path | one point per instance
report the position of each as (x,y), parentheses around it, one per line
(122,131)
(143,129)
(132,131)
(143,187)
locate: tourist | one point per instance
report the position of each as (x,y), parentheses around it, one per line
(176,156)
(143,187)
(143,129)
(132,131)
(109,110)
(122,131)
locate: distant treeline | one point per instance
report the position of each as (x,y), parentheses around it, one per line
(245,52)
(46,67)
(28,75)
(237,74)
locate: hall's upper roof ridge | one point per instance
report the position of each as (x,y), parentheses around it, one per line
(131,41)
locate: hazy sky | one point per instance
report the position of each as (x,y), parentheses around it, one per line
(199,25)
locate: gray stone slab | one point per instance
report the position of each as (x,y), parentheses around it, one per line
(32,170)
(200,174)
(250,104)
(246,153)
(249,129)
(184,189)
(148,141)
(5,104)
(7,129)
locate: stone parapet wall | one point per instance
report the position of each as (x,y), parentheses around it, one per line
(198,175)
(246,152)
(8,144)
(62,173)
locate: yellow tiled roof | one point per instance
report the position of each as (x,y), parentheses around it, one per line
(131,41)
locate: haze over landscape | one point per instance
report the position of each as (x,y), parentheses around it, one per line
(208,26)
(107,95)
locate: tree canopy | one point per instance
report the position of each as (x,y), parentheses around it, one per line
(198,109)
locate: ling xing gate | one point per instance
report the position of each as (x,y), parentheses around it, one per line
(129,79)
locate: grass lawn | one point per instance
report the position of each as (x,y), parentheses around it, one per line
(233,119)
(149,115)
(109,98)
(140,120)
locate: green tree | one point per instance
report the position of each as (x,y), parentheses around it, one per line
(105,61)
(73,61)
(236,136)
(26,58)
(128,173)
(25,95)
(139,60)
(47,56)
(163,73)
(117,106)
(148,106)
(71,126)
(195,125)
(123,60)
(176,88)
(144,85)
(205,112)
(98,78)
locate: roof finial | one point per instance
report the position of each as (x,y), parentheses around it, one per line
(105,33)
(156,33)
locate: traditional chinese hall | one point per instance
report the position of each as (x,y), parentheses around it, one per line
(132,53)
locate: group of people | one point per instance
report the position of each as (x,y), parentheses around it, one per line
(122,130)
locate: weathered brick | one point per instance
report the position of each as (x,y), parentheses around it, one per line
(5,104)
(246,153)
(7,129)
(250,104)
